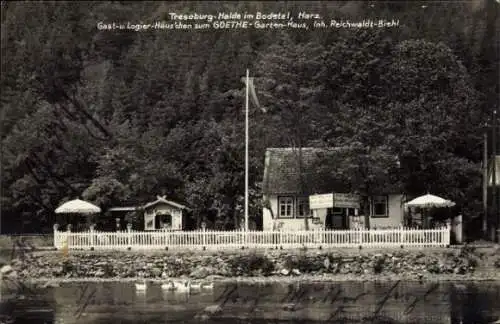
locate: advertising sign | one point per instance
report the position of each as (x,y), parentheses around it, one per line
(341,200)
(321,201)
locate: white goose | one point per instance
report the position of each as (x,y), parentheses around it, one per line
(182,286)
(460,287)
(195,285)
(179,286)
(169,285)
(141,286)
(208,285)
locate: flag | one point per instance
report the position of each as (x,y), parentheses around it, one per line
(253,93)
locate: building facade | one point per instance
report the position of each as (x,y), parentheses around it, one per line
(320,202)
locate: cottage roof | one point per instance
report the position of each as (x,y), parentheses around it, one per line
(282,176)
(281,170)
(164,201)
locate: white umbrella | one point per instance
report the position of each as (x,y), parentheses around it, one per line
(430,201)
(78,206)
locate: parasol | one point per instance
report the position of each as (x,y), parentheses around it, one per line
(429,200)
(78,206)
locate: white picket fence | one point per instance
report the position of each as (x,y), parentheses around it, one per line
(223,240)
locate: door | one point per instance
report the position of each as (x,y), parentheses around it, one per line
(336,218)
(339,218)
(157,222)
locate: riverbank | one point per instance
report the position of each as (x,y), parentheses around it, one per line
(460,264)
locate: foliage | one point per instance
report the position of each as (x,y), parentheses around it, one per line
(252,263)
(303,263)
(109,270)
(122,117)
(378,265)
(67,267)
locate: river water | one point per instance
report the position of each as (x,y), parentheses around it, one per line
(346,302)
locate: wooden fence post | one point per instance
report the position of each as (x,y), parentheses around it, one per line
(68,230)
(56,236)
(203,233)
(458,229)
(92,236)
(402,234)
(129,238)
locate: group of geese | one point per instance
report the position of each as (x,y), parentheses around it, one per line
(178,286)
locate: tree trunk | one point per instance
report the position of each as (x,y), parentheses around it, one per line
(302,182)
(273,218)
(267,205)
(367,211)
(236,222)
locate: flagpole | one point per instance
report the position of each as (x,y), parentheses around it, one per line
(246,152)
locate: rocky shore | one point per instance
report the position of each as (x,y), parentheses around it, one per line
(465,263)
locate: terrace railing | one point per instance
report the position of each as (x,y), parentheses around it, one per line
(224,240)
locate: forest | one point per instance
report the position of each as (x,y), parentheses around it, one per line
(120,116)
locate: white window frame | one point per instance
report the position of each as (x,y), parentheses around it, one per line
(377,200)
(289,201)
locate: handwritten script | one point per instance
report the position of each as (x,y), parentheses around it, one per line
(295,297)
(308,295)
(87,297)
(19,248)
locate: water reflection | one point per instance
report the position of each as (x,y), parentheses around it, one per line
(349,302)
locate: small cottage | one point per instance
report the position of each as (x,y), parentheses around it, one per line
(159,214)
(293,198)
(163,214)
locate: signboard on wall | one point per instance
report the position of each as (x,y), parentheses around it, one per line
(321,201)
(342,200)
(339,200)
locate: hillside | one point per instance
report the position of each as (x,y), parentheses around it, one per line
(119,116)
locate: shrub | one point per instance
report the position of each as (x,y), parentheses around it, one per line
(378,266)
(335,263)
(108,269)
(248,264)
(67,267)
(434,268)
(472,262)
(467,250)
(449,254)
(303,263)
(296,262)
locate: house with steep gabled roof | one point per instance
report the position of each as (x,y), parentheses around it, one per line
(159,214)
(298,184)
(163,213)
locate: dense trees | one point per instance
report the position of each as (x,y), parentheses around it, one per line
(118,117)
